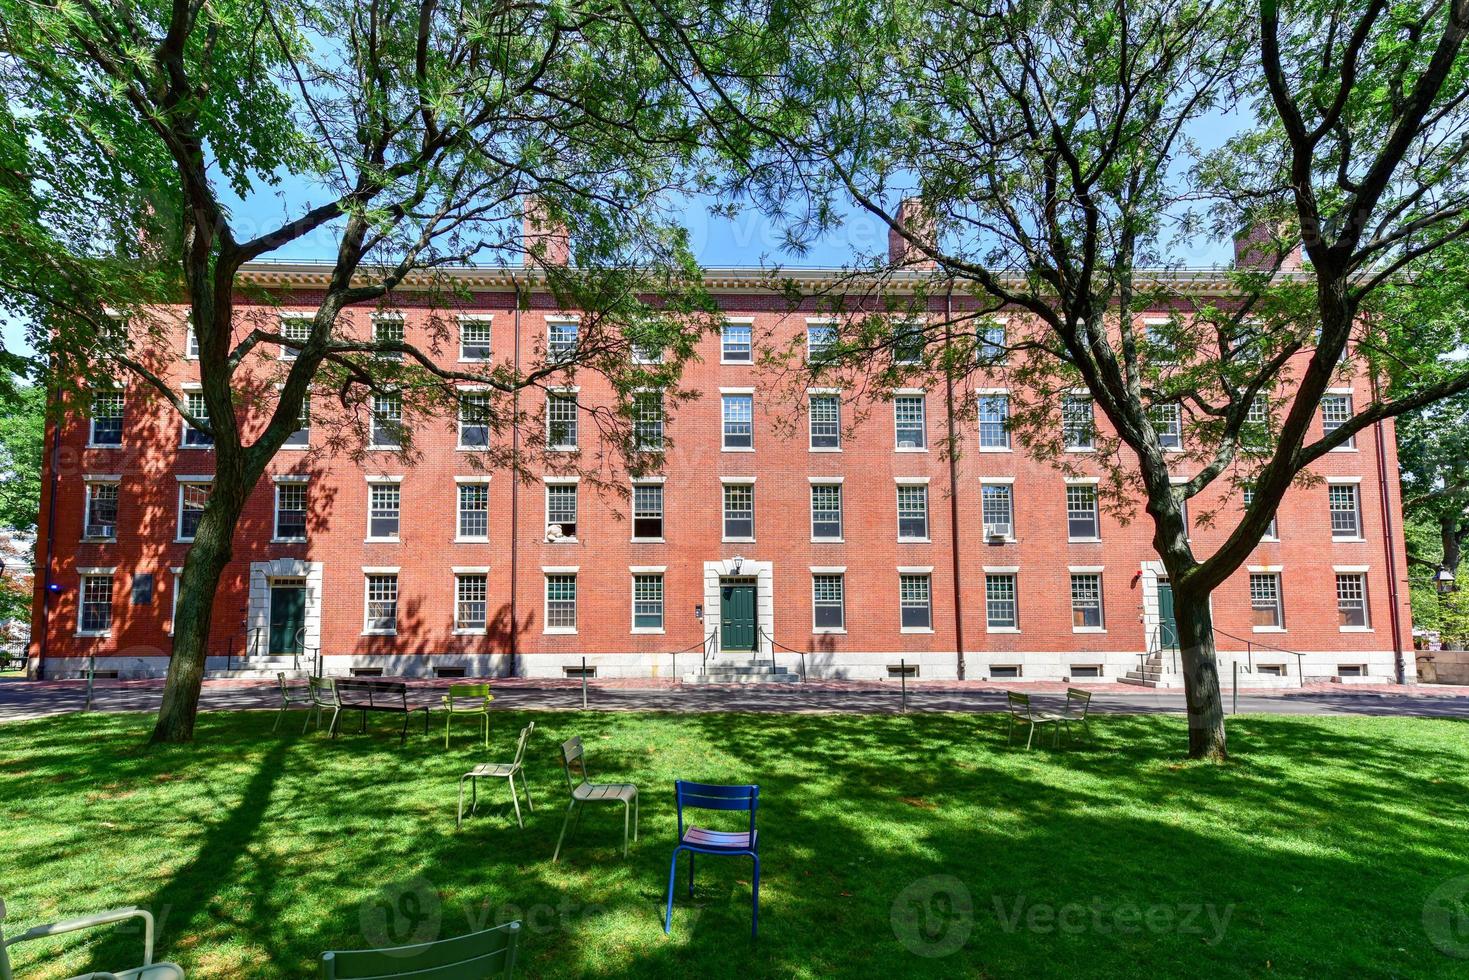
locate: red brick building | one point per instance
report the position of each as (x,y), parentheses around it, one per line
(829,526)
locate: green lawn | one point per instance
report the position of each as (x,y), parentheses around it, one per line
(1311,855)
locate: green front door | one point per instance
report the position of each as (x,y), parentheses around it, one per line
(287,616)
(737,616)
(1167,624)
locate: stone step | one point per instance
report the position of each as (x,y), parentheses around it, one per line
(719,674)
(258,673)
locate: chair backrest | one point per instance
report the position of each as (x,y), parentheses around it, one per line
(490,953)
(572,757)
(323,690)
(1019,703)
(285,688)
(525,734)
(1077,698)
(467,691)
(715,796)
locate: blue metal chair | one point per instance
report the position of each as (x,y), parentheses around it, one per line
(698,840)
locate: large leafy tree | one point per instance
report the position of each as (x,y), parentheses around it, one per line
(22,445)
(405,135)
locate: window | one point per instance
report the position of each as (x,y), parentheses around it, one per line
(647,602)
(474,511)
(301,438)
(734,343)
(1265,606)
(1346,515)
(387,422)
(997,507)
(826,422)
(992,345)
(644,354)
(1001,610)
(1271,533)
(191,341)
(1086,601)
(994,415)
(561,421)
(561,509)
(383,503)
(94,613)
(561,603)
(1168,424)
(739,510)
(648,421)
(820,339)
(192,499)
(1158,344)
(1081,513)
(101,513)
(739,421)
(647,511)
(474,338)
(199,409)
(1351,600)
(290,511)
(471,602)
(1078,430)
(828,612)
(913,597)
(388,330)
(909,342)
(912,512)
(474,420)
(908,418)
(106,418)
(296,328)
(561,340)
(826,511)
(381,615)
(1336,411)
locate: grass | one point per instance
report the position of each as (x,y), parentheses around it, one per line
(1312,854)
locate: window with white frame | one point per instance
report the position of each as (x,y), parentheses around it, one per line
(1159,344)
(388,330)
(561,434)
(1271,532)
(826,421)
(192,499)
(1346,511)
(820,339)
(106,419)
(561,508)
(1001,607)
(647,511)
(994,421)
(997,507)
(1078,428)
(294,328)
(647,601)
(474,511)
(301,437)
(471,601)
(1265,604)
(739,510)
(191,341)
(561,602)
(826,511)
(1255,433)
(1168,424)
(828,605)
(101,511)
(173,609)
(735,343)
(474,338)
(387,422)
(915,602)
(912,512)
(646,353)
(384,505)
(562,337)
(910,422)
(739,421)
(1086,601)
(380,614)
(474,419)
(290,510)
(195,438)
(94,608)
(909,341)
(1336,411)
(648,421)
(992,344)
(1351,600)
(1081,512)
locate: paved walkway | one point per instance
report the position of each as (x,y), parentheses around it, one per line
(20,699)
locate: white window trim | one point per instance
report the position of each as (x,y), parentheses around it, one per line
(92,442)
(94,572)
(1009,446)
(910,392)
(632,611)
(559,481)
(178,524)
(813,321)
(1350,446)
(1001,570)
(742,321)
(90,480)
(913,570)
(737,391)
(368,570)
(546,571)
(725,481)
(275,517)
(457,572)
(560,392)
(296,316)
(185,390)
(914,481)
(1361,535)
(650,481)
(470,481)
(375,479)
(829,481)
(475,318)
(840,570)
(173,610)
(1101,596)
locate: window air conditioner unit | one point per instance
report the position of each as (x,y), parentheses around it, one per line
(101,531)
(907,444)
(998,532)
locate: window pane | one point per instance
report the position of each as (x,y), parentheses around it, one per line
(1081,512)
(194,402)
(912,511)
(648,421)
(994,415)
(96,603)
(992,343)
(913,596)
(1086,601)
(1336,411)
(561,508)
(561,601)
(474,340)
(101,517)
(908,416)
(471,601)
(739,510)
(474,421)
(383,500)
(561,339)
(826,422)
(1351,600)
(290,510)
(1077,427)
(739,421)
(1265,599)
(1168,424)
(997,507)
(387,421)
(474,510)
(820,338)
(193,497)
(828,607)
(826,511)
(107,418)
(561,421)
(735,342)
(382,604)
(1346,519)
(647,601)
(999,601)
(388,330)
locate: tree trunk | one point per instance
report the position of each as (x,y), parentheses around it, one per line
(1200,676)
(1449,535)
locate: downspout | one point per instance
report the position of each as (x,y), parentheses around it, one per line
(953,481)
(55,401)
(515,492)
(1394,616)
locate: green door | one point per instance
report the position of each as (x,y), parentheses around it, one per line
(1167,624)
(287,616)
(737,616)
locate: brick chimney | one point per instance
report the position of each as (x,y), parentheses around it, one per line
(1257,246)
(544,235)
(919,221)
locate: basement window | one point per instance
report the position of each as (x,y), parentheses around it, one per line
(579,671)
(367,671)
(1086,670)
(449,672)
(1351,670)
(1004,670)
(1273,670)
(896,671)
(103,675)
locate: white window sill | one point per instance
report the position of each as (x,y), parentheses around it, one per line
(995,540)
(1356,629)
(1357,540)
(647,540)
(648,630)
(559,631)
(209,449)
(1343,449)
(1081,449)
(910,449)
(738,540)
(828,540)
(916,629)
(915,541)
(471,449)
(747,361)
(383,449)
(290,448)
(996,449)
(1009,630)
(565,540)
(86,540)
(104,445)
(381,540)
(479,360)
(183,540)
(93,634)
(826,449)
(1084,540)
(1088,629)
(1173,449)
(830,630)
(466,631)
(379,632)
(483,540)
(1267,629)
(1270,541)
(287,540)
(737,449)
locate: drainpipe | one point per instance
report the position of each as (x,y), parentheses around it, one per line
(1394,616)
(953,483)
(515,492)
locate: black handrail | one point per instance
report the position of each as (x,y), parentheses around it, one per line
(774,644)
(1250,654)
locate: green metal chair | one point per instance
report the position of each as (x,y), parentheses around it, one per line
(322,692)
(474,700)
(290,699)
(148,971)
(493,770)
(1021,713)
(490,953)
(584,791)
(1077,703)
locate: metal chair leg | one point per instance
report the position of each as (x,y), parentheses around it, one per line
(635,802)
(564,824)
(755,899)
(691,874)
(277,725)
(672,874)
(447,718)
(459,820)
(526,784)
(515,798)
(1030,735)
(626,814)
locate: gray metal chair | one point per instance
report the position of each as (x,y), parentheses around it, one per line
(147,971)
(290,699)
(322,692)
(487,953)
(1021,713)
(584,791)
(500,770)
(1077,703)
